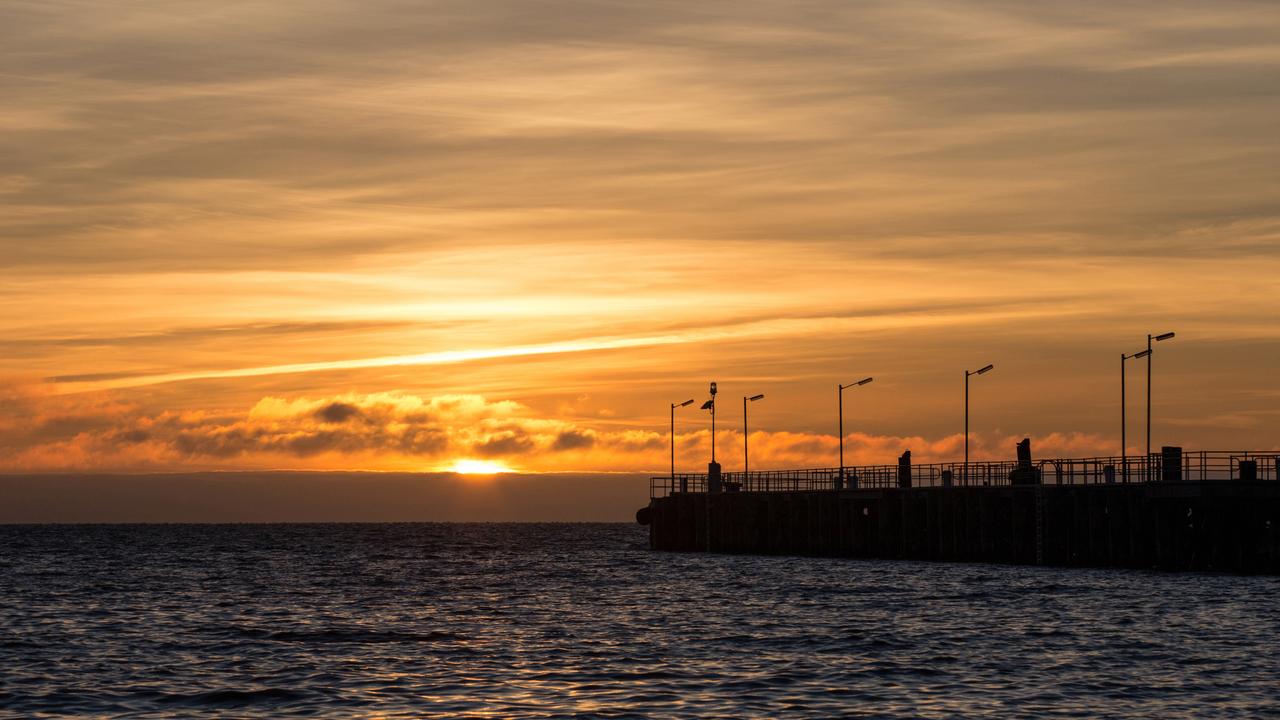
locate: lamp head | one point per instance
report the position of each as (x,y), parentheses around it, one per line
(1165,336)
(713,389)
(985,370)
(753,398)
(864,381)
(1141,354)
(686,403)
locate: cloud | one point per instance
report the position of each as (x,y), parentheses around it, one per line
(294,137)
(769,326)
(573,440)
(184,336)
(375,431)
(337,412)
(398,431)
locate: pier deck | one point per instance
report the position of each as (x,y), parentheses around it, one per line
(1198,511)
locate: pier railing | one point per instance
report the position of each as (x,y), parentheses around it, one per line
(1201,465)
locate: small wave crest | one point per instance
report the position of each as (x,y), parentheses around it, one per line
(346,635)
(229,697)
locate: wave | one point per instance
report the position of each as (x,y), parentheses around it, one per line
(228,697)
(347,635)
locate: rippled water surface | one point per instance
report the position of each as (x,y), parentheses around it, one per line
(584,621)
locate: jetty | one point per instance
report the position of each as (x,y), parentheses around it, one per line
(1172,510)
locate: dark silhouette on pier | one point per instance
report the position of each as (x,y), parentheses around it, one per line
(1173,510)
(1203,510)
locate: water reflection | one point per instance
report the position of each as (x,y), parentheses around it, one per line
(543,620)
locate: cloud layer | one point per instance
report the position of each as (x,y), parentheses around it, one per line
(169,136)
(397,431)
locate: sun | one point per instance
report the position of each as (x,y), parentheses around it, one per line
(479,467)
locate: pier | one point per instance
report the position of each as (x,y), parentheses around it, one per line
(1172,510)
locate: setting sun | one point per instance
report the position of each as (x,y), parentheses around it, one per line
(479,467)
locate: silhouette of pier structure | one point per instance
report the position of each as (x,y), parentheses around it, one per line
(1172,510)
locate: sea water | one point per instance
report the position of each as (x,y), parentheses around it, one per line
(583,620)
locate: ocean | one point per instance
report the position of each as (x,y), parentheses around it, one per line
(442,620)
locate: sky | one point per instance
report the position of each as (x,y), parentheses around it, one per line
(500,234)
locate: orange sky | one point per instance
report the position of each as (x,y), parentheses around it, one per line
(381,236)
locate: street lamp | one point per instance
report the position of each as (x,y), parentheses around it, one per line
(967,374)
(746,463)
(1124,451)
(840,405)
(1157,338)
(711,405)
(673,438)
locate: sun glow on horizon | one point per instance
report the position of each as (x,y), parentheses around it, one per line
(479,467)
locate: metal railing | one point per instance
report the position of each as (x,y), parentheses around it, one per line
(1200,465)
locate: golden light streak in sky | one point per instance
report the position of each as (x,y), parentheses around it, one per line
(780,328)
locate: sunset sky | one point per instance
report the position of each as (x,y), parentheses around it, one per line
(385,235)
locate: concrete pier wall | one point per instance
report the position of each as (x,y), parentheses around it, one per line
(1230,526)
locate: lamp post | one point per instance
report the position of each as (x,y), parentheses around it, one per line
(1124,443)
(840,406)
(711,405)
(746,459)
(673,438)
(1157,338)
(714,483)
(967,374)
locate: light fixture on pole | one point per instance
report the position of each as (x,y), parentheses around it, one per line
(714,484)
(840,410)
(1124,446)
(746,462)
(967,374)
(711,405)
(1157,338)
(673,438)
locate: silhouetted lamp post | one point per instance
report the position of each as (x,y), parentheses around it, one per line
(746,461)
(1157,338)
(967,374)
(673,438)
(840,406)
(711,405)
(1124,452)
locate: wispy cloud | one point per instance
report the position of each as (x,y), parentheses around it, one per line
(772,328)
(371,128)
